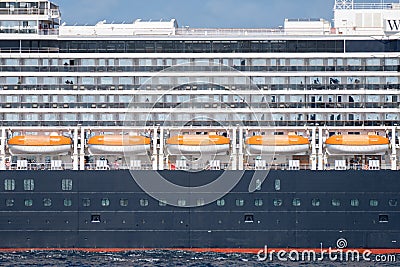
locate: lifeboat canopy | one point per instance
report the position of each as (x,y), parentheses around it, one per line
(357,144)
(278,144)
(118,144)
(198,144)
(39,144)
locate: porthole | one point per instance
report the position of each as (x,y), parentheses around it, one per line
(144,202)
(316,202)
(28,202)
(239,202)
(336,202)
(221,202)
(105,202)
(278,202)
(354,202)
(123,202)
(47,202)
(374,203)
(296,202)
(393,202)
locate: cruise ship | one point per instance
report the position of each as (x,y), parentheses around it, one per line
(149,135)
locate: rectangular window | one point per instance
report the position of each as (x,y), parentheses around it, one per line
(9,185)
(29,185)
(66,184)
(277,185)
(95,218)
(384,218)
(249,218)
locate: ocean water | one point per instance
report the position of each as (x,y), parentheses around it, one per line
(155,258)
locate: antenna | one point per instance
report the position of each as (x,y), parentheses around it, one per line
(344,4)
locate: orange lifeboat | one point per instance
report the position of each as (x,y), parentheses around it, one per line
(357,144)
(279,144)
(197,144)
(118,144)
(39,144)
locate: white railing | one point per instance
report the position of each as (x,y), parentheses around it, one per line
(372,6)
(228,32)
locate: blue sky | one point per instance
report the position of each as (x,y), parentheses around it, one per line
(197,13)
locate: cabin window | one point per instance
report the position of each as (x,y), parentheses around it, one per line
(181,202)
(47,202)
(67,202)
(66,184)
(336,202)
(86,202)
(258,202)
(105,202)
(123,202)
(10,202)
(355,203)
(393,202)
(144,202)
(296,202)
(162,203)
(374,203)
(29,185)
(277,185)
(383,218)
(278,202)
(239,202)
(28,202)
(9,185)
(316,202)
(221,202)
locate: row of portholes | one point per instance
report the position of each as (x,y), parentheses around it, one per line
(296,202)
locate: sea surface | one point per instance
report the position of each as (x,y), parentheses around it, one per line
(155,258)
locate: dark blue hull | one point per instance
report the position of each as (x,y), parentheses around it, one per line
(305,209)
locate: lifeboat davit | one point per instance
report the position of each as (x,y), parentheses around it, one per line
(198,144)
(357,144)
(278,144)
(118,145)
(39,144)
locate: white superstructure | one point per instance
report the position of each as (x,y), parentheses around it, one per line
(158,79)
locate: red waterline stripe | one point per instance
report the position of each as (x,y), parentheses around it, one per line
(202,250)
